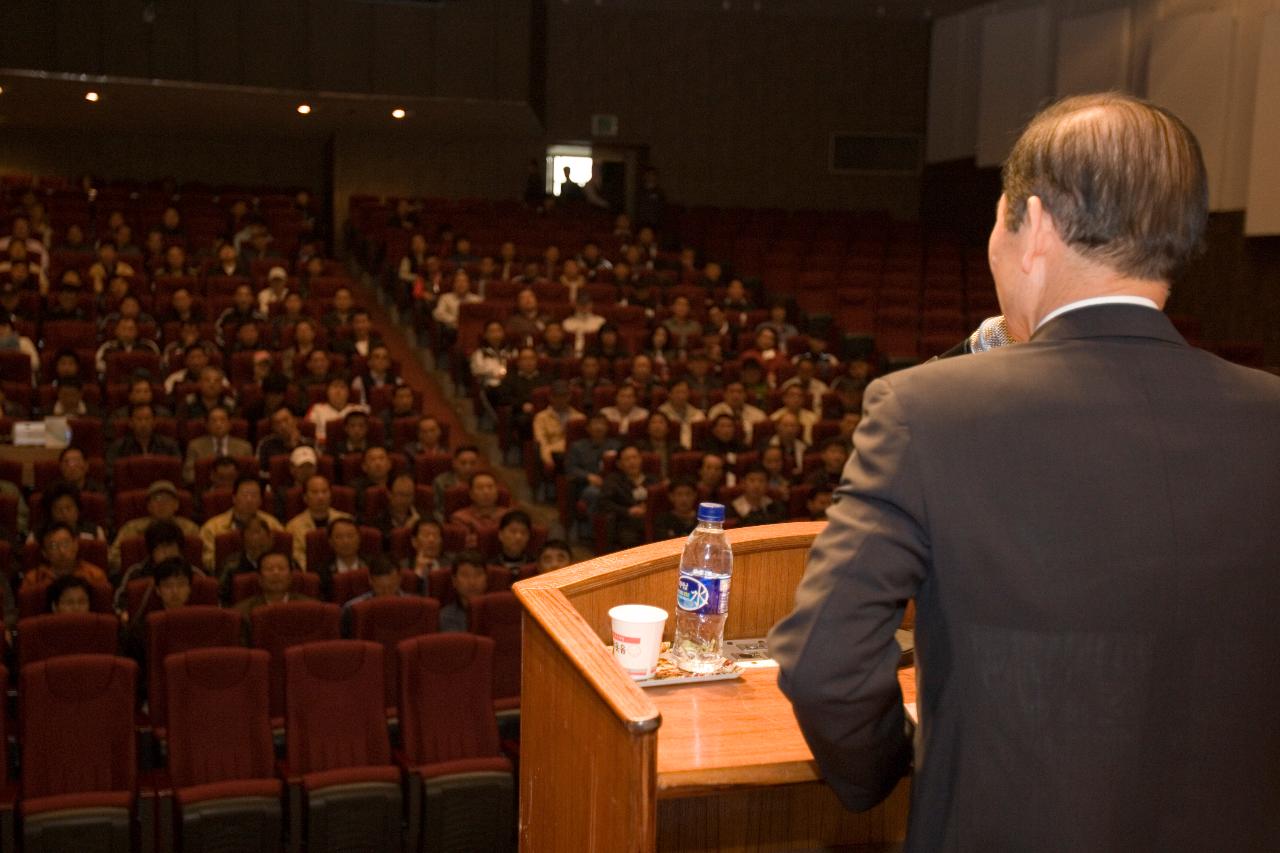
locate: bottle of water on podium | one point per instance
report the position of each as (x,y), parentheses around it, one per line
(702,600)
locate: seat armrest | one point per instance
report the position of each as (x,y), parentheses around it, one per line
(155,811)
(413,799)
(293,805)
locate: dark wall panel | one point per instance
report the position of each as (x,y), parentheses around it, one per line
(272,39)
(77,31)
(738,107)
(217,37)
(175,43)
(341,45)
(404,60)
(26,33)
(125,38)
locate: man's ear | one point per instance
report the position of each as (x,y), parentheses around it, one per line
(1041,233)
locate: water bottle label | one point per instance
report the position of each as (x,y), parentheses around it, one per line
(702,595)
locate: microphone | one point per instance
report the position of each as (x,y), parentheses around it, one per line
(991,333)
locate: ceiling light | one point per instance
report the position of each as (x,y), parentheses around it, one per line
(398,113)
(1,90)
(304,109)
(91,97)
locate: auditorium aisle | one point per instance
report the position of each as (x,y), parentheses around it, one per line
(439,399)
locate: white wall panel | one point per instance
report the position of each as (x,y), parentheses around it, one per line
(1189,72)
(1262,215)
(1015,77)
(1093,53)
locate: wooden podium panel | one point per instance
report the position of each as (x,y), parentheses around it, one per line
(718,766)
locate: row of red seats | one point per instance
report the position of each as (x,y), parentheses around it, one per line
(340,782)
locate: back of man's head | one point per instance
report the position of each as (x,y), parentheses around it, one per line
(1124,181)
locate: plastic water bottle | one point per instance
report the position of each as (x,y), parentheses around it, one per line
(702,600)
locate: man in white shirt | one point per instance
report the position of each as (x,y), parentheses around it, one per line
(624,412)
(582,322)
(736,406)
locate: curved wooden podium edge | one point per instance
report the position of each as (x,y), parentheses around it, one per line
(545,599)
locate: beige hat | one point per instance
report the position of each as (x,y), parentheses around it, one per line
(277,272)
(302,456)
(160,487)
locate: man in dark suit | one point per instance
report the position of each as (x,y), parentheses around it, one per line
(1087,522)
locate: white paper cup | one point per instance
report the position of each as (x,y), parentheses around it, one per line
(637,637)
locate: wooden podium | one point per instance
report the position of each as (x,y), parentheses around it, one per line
(607,766)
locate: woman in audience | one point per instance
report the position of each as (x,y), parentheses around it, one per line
(489,364)
(61,504)
(304,343)
(624,498)
(336,405)
(660,353)
(609,347)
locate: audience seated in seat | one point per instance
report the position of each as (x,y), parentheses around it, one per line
(470,579)
(274,580)
(246,504)
(317,495)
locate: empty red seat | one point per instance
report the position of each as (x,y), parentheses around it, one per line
(460,786)
(389,621)
(278,627)
(79,767)
(59,634)
(180,630)
(497,616)
(343,787)
(223,791)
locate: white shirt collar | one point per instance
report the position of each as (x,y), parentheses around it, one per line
(1097,300)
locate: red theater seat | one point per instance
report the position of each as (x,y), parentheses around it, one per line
(278,627)
(460,787)
(79,768)
(59,634)
(388,621)
(344,792)
(222,790)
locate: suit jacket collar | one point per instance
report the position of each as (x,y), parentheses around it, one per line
(1110,321)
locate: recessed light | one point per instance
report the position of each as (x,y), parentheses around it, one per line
(91,97)
(304,109)
(1,90)
(398,113)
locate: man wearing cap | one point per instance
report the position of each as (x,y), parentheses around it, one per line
(317,495)
(550,424)
(276,290)
(162,505)
(217,441)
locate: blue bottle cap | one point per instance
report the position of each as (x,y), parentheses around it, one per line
(710,512)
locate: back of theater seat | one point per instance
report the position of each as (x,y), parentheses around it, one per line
(59,634)
(180,630)
(79,768)
(497,615)
(279,627)
(225,794)
(388,621)
(461,788)
(343,787)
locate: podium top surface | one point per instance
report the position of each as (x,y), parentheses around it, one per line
(734,733)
